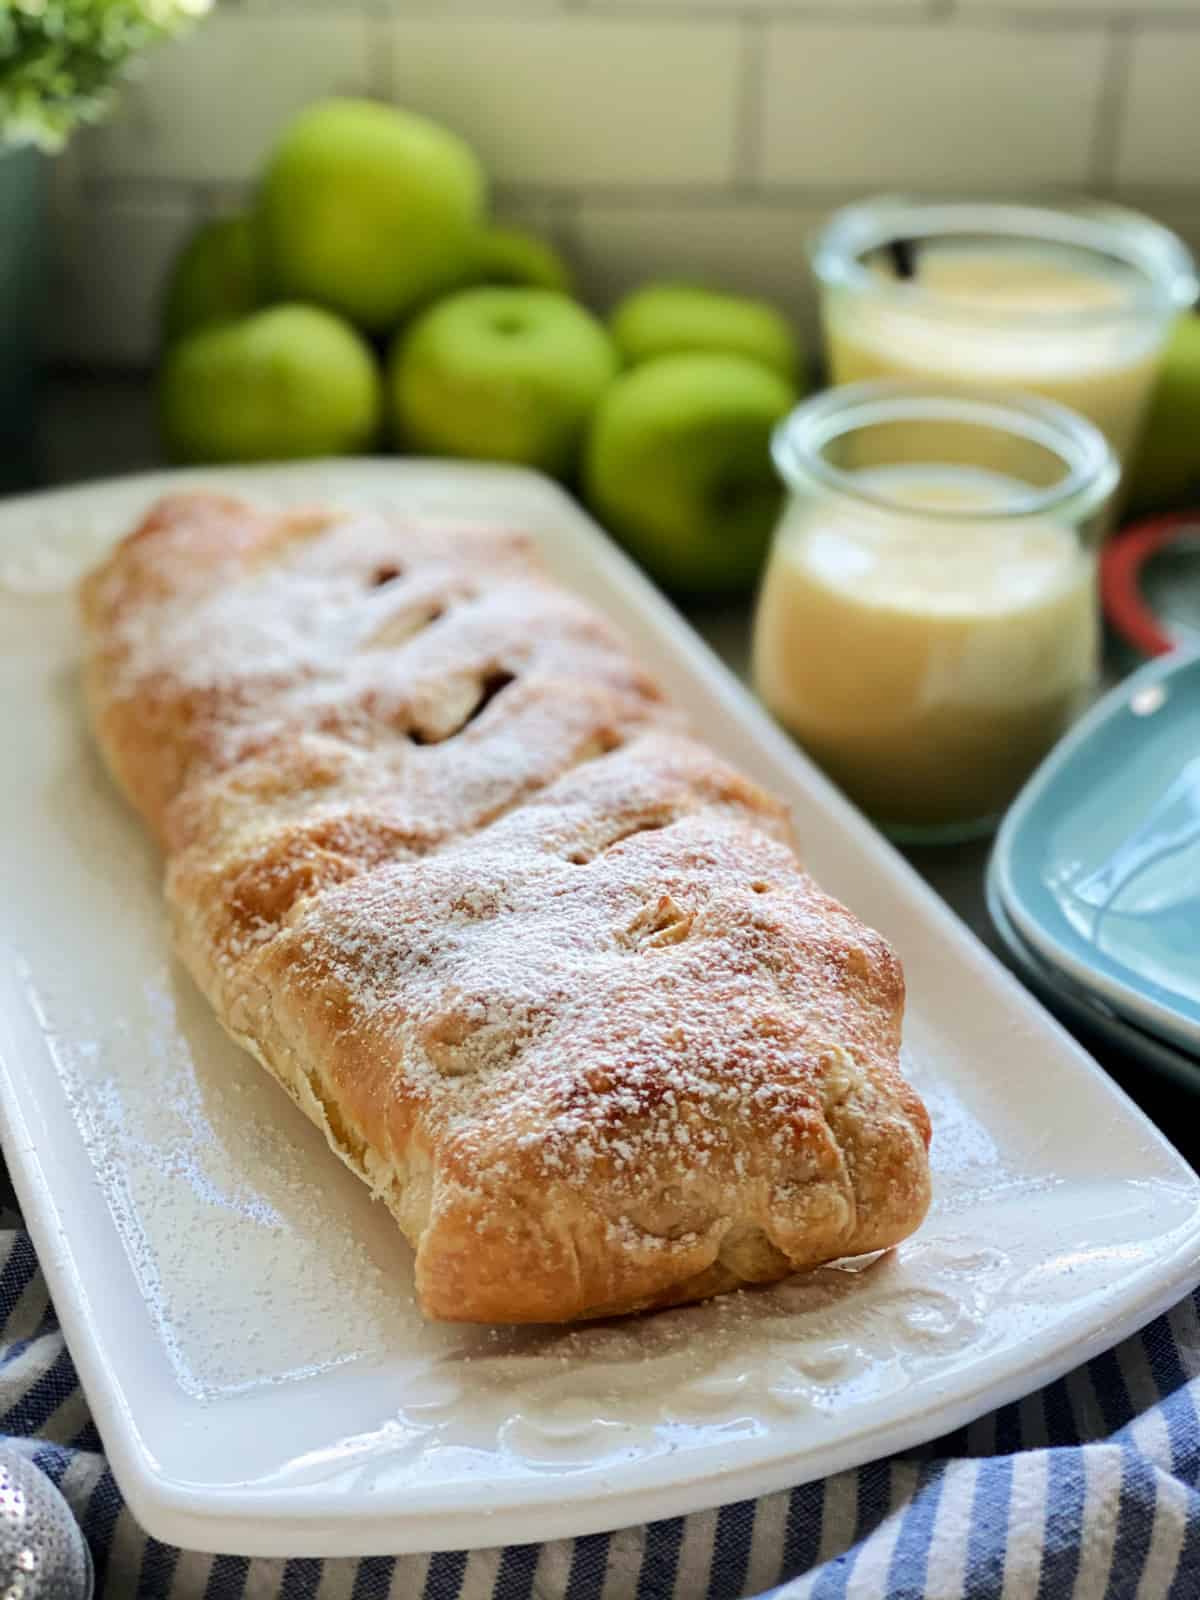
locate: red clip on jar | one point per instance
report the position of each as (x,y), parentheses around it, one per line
(1150,583)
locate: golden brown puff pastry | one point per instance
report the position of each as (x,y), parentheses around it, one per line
(548,974)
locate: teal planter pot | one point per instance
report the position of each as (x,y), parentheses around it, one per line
(22,279)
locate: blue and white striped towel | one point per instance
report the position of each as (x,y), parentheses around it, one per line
(1086,1490)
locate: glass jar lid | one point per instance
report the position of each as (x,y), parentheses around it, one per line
(1078,469)
(1160,271)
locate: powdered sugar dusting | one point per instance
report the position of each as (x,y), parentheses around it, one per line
(223,635)
(421,801)
(1047,1232)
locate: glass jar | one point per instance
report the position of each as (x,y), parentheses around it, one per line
(1071,302)
(928,624)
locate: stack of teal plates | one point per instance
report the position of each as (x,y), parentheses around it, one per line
(1094,882)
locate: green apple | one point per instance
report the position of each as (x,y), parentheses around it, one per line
(287,382)
(663,319)
(368,210)
(677,465)
(1166,465)
(521,260)
(214,278)
(502,375)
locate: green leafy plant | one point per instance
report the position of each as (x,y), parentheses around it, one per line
(61,61)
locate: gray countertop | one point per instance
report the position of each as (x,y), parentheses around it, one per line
(95,426)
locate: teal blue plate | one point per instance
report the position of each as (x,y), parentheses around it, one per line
(1080,1010)
(1098,861)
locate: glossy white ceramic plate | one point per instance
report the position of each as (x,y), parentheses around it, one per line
(242,1314)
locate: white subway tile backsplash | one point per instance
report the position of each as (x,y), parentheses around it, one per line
(1076,8)
(579,100)
(1159,136)
(209,105)
(276,8)
(110,265)
(816,8)
(936,106)
(648,138)
(746,247)
(538,214)
(1180,213)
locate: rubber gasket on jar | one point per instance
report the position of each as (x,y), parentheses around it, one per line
(1123,564)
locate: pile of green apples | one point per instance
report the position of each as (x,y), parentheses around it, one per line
(366,302)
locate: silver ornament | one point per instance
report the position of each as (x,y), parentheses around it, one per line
(43,1555)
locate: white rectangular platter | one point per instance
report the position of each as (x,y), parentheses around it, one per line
(242,1314)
